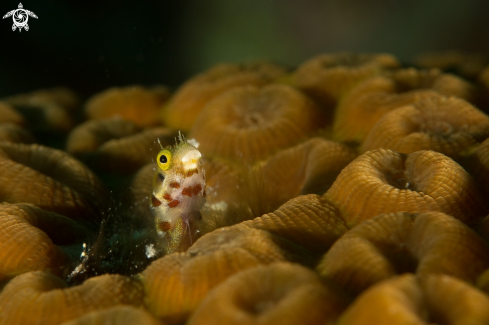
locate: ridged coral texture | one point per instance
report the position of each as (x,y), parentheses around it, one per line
(349,189)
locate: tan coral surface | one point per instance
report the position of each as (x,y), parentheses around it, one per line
(303,222)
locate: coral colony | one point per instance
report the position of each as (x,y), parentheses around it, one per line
(334,192)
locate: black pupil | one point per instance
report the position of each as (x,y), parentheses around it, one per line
(163,159)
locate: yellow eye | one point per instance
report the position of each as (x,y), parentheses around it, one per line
(164,159)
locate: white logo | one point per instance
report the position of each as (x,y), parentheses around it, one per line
(20,17)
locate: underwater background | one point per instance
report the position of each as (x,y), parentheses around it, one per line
(91,47)
(245,162)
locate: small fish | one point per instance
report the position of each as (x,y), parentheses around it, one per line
(178,194)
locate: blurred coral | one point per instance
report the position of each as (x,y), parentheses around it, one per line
(133,103)
(116,145)
(14,133)
(249,123)
(308,168)
(446,125)
(327,77)
(141,187)
(89,136)
(468,65)
(47,110)
(50,179)
(189,100)
(364,105)
(60,96)
(8,114)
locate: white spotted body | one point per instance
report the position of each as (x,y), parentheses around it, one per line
(178,194)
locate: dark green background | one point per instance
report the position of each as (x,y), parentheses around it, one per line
(89,46)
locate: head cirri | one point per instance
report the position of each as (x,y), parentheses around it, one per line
(178,194)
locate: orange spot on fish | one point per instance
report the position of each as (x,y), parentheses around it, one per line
(173,203)
(197,189)
(164,225)
(187,191)
(155,202)
(191,172)
(174,185)
(167,197)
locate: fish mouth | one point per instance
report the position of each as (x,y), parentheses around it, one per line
(191,159)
